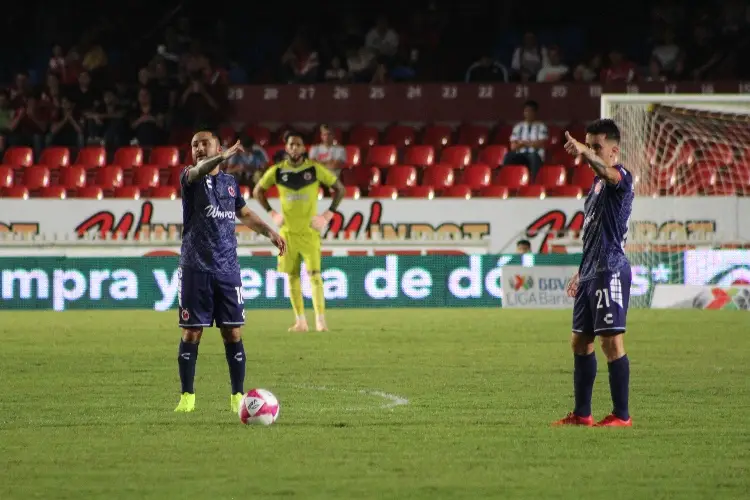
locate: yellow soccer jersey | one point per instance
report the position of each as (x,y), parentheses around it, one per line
(298,189)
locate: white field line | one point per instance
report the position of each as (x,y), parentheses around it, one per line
(390,400)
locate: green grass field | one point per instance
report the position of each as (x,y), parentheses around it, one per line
(87,398)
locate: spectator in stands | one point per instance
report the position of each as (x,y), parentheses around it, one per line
(523,247)
(668,53)
(589,72)
(198,106)
(163,86)
(51,94)
(360,64)
(170,51)
(147,124)
(94,59)
(553,70)
(529,57)
(300,62)
(6,117)
(655,73)
(248,166)
(195,60)
(67,126)
(335,71)
(527,141)
(382,39)
(619,69)
(20,91)
(106,125)
(329,153)
(486,70)
(57,62)
(29,125)
(84,96)
(703,54)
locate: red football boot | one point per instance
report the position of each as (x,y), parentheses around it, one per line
(573,419)
(612,421)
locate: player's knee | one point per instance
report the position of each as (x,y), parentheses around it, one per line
(192,335)
(613,346)
(231,334)
(315,276)
(581,344)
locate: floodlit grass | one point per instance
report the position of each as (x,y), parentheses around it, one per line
(87,398)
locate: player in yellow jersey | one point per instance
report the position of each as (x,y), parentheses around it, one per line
(298,180)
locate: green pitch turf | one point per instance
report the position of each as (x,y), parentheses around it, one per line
(87,397)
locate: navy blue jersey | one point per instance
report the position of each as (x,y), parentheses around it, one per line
(209,205)
(605,226)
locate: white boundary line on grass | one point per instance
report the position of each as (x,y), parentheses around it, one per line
(391,400)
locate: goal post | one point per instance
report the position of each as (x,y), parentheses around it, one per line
(690,158)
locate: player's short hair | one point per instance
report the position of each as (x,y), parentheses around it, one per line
(293,133)
(531,104)
(524,242)
(604,126)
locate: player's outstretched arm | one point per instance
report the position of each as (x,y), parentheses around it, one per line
(251,220)
(609,173)
(207,165)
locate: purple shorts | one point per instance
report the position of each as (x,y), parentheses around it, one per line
(601,304)
(205,298)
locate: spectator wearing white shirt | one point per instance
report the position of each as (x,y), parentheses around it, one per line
(554,70)
(382,39)
(528,140)
(529,57)
(668,53)
(328,152)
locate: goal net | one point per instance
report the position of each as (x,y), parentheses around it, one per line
(690,158)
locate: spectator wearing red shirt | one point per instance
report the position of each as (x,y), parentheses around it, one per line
(619,69)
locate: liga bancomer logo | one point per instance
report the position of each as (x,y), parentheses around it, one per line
(519,283)
(213,212)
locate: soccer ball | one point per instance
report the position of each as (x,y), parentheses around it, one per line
(258,407)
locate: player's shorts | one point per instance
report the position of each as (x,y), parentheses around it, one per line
(601,304)
(205,298)
(300,247)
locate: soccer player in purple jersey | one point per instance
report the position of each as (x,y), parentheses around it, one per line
(209,285)
(602,285)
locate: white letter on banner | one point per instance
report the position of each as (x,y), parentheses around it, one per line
(335,284)
(167,287)
(251,283)
(389,275)
(493,282)
(61,293)
(124,285)
(417,283)
(96,281)
(25,281)
(473,274)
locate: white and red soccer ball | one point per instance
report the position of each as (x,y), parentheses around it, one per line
(258,407)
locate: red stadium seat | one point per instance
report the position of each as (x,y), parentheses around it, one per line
(437,136)
(361,177)
(363,136)
(129,192)
(129,156)
(555,138)
(512,176)
(400,136)
(438,176)
(90,192)
(53,192)
(458,156)
(419,192)
(55,157)
(382,156)
(421,155)
(352,155)
(567,191)
(164,156)
(551,176)
(473,136)
(477,176)
(401,177)
(583,177)
(6,176)
(458,191)
(383,192)
(352,192)
(502,135)
(146,177)
(92,156)
(16,192)
(109,178)
(535,191)
(36,177)
(272,192)
(493,155)
(245,192)
(19,156)
(494,192)
(174,176)
(164,192)
(261,135)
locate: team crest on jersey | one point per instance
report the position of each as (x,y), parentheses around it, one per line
(308,176)
(185,315)
(230,189)
(285,177)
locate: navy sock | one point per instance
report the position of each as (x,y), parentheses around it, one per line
(186,359)
(619,379)
(235,352)
(584,374)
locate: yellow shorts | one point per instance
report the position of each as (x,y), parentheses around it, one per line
(300,247)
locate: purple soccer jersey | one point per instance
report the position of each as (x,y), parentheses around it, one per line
(605,226)
(209,205)
(601,303)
